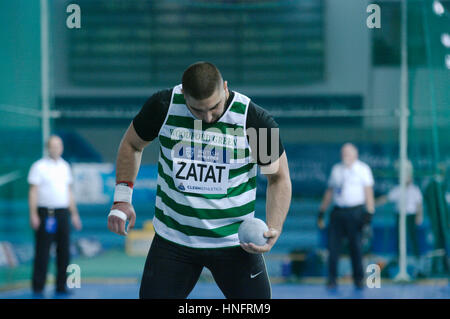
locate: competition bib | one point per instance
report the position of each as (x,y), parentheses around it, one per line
(202,171)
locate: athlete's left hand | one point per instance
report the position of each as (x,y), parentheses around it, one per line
(272,234)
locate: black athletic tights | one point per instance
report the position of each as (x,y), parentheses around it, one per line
(171,271)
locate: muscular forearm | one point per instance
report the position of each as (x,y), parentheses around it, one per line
(128,162)
(278,200)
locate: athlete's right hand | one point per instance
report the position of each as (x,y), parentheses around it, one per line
(117,224)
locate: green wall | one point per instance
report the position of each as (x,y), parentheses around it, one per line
(19,60)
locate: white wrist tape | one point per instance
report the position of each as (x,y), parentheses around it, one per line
(118,213)
(123,193)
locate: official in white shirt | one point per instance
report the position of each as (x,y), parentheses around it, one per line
(350,188)
(413,208)
(51,206)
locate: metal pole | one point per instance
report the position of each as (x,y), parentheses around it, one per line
(404,113)
(45,75)
(435,135)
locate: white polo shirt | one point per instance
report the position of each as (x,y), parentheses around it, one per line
(413,198)
(348,183)
(53,178)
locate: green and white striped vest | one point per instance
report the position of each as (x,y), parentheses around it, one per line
(206,177)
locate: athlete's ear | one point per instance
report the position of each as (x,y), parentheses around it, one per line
(185,97)
(225,86)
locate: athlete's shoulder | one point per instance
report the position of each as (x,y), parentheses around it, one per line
(259,117)
(150,119)
(161,97)
(240,96)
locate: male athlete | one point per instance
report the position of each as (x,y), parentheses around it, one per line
(208,153)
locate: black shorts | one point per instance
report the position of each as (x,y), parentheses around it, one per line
(172,270)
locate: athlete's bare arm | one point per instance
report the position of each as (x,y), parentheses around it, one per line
(129,155)
(128,162)
(278,200)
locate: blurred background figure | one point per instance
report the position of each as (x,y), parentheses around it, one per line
(414,208)
(350,187)
(52,207)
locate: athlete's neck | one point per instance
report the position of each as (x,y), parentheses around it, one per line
(229,98)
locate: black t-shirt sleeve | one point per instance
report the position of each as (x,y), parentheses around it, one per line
(258,118)
(150,118)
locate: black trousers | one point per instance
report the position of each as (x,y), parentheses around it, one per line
(171,271)
(346,223)
(43,242)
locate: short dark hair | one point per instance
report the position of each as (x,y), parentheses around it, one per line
(201,79)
